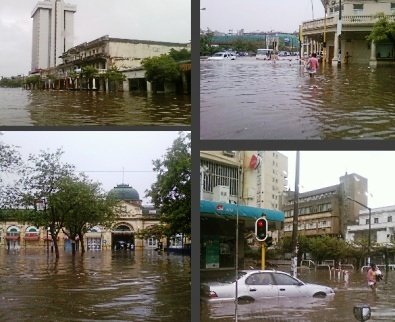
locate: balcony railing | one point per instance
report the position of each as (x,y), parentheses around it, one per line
(346,20)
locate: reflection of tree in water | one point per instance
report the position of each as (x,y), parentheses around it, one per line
(99,108)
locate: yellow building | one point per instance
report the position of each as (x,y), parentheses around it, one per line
(132,217)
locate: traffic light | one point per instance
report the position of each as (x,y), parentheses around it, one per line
(261,229)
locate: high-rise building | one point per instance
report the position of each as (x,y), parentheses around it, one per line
(53,32)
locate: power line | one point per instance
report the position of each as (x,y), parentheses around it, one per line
(117,171)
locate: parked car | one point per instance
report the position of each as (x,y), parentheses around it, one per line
(256,284)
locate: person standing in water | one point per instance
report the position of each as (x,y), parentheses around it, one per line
(312,64)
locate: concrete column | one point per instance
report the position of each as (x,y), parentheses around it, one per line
(125,85)
(149,87)
(373,59)
(107,89)
(336,50)
(184,83)
(93,83)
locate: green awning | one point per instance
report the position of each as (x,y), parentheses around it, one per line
(246,212)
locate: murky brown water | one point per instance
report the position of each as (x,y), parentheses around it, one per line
(250,99)
(339,308)
(53,108)
(100,286)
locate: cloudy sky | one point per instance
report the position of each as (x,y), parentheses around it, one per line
(258,15)
(102,155)
(160,20)
(323,169)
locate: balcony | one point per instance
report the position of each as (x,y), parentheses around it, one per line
(12,236)
(32,236)
(353,20)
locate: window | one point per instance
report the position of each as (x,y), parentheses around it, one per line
(259,279)
(220,175)
(376,220)
(358,9)
(282,279)
(393,8)
(389,219)
(367,222)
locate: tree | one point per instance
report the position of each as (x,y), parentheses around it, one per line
(88,72)
(180,55)
(114,76)
(157,231)
(205,44)
(172,190)
(10,161)
(41,181)
(87,207)
(73,75)
(383,29)
(160,69)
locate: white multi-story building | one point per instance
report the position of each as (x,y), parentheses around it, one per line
(382,227)
(53,32)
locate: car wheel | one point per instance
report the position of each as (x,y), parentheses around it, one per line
(319,295)
(245,300)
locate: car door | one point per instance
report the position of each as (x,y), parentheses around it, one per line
(260,285)
(287,285)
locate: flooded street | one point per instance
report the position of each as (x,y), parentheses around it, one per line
(250,99)
(53,108)
(339,308)
(100,286)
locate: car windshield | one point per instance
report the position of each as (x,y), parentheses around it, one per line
(218,55)
(230,277)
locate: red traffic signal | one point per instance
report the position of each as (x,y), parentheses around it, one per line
(261,229)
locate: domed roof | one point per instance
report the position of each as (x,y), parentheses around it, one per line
(124,192)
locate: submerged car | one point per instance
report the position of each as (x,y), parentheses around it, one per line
(223,55)
(257,284)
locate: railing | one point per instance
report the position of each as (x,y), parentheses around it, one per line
(331,21)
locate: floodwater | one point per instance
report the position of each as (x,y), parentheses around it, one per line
(337,308)
(100,286)
(254,99)
(20,107)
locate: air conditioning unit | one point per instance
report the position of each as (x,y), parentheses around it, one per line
(230,153)
(221,194)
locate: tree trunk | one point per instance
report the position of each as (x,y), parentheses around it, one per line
(82,243)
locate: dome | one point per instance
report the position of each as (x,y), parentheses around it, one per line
(125,192)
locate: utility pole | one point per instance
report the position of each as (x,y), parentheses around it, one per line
(294,260)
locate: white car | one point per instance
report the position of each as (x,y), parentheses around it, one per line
(223,55)
(256,284)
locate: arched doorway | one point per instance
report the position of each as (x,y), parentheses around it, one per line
(122,237)
(13,237)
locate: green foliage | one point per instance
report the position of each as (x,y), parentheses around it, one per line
(160,69)
(113,74)
(180,55)
(156,231)
(205,44)
(11,82)
(86,206)
(88,71)
(41,180)
(34,79)
(383,29)
(172,190)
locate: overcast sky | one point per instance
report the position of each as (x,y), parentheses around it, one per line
(160,20)
(323,169)
(101,151)
(258,15)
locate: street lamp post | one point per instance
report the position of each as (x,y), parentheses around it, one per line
(370,223)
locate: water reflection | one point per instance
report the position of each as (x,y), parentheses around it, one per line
(121,286)
(339,308)
(250,99)
(50,108)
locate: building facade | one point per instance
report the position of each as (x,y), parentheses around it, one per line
(123,54)
(344,32)
(53,33)
(132,216)
(229,194)
(254,178)
(326,211)
(382,230)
